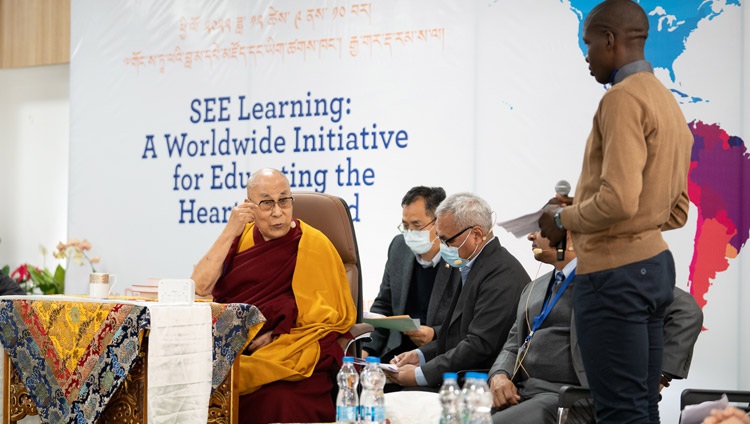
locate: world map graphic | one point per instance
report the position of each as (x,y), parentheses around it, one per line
(719,176)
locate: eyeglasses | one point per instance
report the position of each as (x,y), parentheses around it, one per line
(402,229)
(268,205)
(448,240)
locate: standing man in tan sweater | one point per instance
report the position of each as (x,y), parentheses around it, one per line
(633,186)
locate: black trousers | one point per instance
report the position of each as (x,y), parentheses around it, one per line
(619,316)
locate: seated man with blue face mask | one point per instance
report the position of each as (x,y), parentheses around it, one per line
(488,281)
(408,286)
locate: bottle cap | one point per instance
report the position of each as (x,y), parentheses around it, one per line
(373,359)
(450,376)
(349,359)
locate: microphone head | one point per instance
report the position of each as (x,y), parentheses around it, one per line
(562,188)
(537,250)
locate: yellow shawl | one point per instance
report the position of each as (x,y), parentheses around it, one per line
(324,304)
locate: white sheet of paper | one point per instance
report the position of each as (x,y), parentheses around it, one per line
(386,366)
(523,225)
(368,314)
(695,414)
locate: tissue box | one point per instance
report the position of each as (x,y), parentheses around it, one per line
(176,291)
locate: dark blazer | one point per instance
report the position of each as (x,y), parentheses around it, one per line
(9,286)
(481,316)
(394,290)
(682,325)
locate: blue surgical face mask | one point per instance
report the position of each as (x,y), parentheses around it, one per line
(418,241)
(450,254)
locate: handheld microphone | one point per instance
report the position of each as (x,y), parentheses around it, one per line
(562,188)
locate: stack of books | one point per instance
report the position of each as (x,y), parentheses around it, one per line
(150,291)
(147,290)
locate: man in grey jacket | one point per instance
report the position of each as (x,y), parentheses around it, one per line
(533,365)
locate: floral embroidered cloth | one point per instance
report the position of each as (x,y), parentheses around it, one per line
(73,354)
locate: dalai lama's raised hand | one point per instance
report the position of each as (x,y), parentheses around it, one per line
(243,213)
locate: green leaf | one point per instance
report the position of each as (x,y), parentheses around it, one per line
(60,279)
(60,274)
(46,281)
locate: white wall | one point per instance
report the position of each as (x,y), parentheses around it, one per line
(34,135)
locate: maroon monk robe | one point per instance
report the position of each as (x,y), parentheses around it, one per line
(262,276)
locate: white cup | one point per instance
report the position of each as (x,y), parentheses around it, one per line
(100,283)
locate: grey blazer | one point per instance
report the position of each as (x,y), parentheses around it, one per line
(534,294)
(480,316)
(394,290)
(682,325)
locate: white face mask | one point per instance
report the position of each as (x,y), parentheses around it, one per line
(418,241)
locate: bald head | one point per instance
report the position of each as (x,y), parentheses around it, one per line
(624,18)
(265,174)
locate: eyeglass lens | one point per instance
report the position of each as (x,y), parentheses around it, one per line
(448,240)
(267,205)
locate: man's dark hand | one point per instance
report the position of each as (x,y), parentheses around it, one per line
(550,231)
(561,200)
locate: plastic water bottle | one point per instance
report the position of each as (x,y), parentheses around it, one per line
(347,400)
(372,402)
(450,399)
(479,400)
(469,384)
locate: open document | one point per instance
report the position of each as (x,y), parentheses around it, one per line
(523,225)
(387,367)
(398,322)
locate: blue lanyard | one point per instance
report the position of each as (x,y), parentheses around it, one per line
(549,304)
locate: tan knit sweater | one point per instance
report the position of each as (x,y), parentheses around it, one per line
(633,183)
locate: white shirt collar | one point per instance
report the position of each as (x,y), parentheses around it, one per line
(428,264)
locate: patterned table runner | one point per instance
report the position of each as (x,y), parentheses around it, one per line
(73,354)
